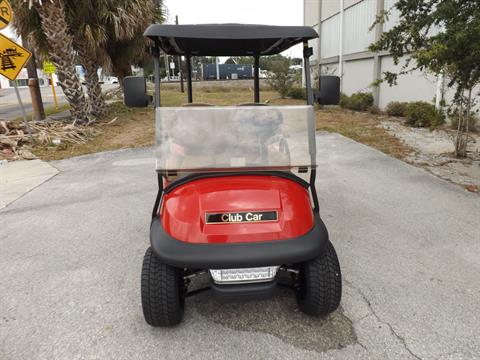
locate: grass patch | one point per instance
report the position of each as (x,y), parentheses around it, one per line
(363,128)
(135,127)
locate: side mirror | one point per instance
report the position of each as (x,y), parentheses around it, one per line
(135,91)
(329,93)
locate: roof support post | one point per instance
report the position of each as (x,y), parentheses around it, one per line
(156,65)
(307,52)
(256,79)
(189,78)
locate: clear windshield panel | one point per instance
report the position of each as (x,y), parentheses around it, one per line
(232,138)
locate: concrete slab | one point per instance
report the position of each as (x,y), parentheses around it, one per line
(19,177)
(409,246)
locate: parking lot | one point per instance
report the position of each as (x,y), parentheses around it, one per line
(409,245)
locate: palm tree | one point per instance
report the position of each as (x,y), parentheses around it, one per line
(106,33)
(128,48)
(85,21)
(50,15)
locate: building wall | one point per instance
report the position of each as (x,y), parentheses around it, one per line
(417,86)
(357,76)
(357,70)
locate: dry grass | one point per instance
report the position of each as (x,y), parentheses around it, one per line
(363,128)
(135,127)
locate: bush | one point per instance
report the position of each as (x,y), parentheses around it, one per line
(358,101)
(473,124)
(280,78)
(297,93)
(375,110)
(396,108)
(343,101)
(423,114)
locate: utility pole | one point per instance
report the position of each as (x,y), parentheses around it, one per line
(167,67)
(34,87)
(180,68)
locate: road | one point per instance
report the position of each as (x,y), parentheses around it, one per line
(408,242)
(9,108)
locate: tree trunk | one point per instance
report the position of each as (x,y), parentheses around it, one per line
(121,71)
(62,54)
(94,89)
(34,87)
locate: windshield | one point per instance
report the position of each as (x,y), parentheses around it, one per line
(236,137)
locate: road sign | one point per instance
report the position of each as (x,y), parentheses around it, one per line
(5,14)
(13,57)
(48,67)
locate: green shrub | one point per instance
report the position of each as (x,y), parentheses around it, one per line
(279,77)
(359,101)
(297,93)
(423,114)
(343,101)
(375,110)
(396,108)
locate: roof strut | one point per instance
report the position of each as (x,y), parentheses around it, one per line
(256,79)
(189,78)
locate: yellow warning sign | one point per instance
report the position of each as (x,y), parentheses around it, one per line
(5,14)
(48,67)
(13,57)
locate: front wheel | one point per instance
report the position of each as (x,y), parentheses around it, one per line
(319,284)
(163,292)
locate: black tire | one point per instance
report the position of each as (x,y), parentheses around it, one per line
(163,292)
(319,284)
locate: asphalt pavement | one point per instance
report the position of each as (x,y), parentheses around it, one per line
(10,108)
(409,246)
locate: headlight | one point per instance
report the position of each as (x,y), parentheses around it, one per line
(246,275)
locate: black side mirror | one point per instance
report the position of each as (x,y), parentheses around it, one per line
(135,91)
(329,93)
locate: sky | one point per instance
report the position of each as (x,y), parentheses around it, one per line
(265,12)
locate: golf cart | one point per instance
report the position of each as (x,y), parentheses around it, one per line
(236,199)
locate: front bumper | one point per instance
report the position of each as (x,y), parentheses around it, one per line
(244,292)
(239,255)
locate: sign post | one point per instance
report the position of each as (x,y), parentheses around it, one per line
(13,58)
(49,69)
(23,110)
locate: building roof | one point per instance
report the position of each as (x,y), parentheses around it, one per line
(227,39)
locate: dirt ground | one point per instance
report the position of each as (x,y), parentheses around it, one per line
(433,150)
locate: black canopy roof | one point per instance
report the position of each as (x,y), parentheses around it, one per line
(227,39)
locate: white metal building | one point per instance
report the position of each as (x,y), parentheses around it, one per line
(345,34)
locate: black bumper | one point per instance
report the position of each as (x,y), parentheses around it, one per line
(244,292)
(243,255)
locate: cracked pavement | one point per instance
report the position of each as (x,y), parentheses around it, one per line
(71,252)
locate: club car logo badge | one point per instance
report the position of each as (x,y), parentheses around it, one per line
(241,217)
